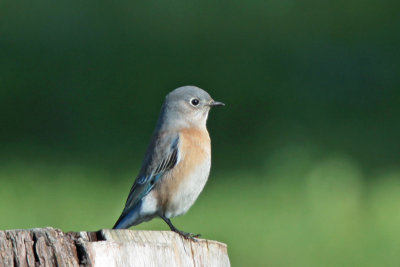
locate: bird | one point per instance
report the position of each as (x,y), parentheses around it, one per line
(177,163)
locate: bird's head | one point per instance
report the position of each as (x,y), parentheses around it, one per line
(188,106)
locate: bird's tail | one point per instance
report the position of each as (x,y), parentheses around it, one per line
(128,218)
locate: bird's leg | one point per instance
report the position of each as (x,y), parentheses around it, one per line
(182,233)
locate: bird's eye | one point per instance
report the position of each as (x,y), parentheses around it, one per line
(194,101)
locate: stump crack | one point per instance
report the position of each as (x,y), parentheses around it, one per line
(34,249)
(191,249)
(81,252)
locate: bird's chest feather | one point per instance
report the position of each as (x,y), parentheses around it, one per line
(188,178)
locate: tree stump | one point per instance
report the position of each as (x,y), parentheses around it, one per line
(108,248)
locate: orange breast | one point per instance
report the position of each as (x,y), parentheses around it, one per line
(194,149)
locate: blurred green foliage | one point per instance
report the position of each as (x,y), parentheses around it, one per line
(305,154)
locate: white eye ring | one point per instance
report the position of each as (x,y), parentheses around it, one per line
(194,102)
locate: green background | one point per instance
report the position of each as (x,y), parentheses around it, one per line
(305,153)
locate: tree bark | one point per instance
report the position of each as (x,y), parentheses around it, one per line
(108,248)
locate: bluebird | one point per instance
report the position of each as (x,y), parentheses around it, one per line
(177,163)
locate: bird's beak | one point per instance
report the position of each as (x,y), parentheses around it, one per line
(216,104)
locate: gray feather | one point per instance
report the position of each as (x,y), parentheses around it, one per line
(157,162)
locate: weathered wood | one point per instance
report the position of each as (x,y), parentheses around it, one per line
(108,248)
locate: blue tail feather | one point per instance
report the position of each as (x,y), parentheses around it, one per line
(126,220)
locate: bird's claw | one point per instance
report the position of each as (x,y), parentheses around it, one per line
(188,236)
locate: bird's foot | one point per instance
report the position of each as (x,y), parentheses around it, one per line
(188,236)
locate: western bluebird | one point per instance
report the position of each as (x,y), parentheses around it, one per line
(177,163)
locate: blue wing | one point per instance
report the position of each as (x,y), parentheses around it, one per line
(162,156)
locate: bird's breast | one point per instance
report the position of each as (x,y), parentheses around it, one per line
(184,183)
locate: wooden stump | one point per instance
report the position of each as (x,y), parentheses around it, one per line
(108,248)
